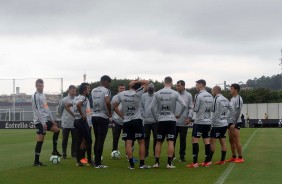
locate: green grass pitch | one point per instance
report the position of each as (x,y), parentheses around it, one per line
(262,151)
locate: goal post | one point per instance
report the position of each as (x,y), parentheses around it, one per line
(15,97)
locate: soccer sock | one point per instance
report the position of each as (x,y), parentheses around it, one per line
(157,160)
(240,157)
(142,162)
(233,156)
(83,151)
(207,152)
(55,140)
(211,155)
(223,154)
(81,154)
(195,152)
(38,151)
(131,162)
(89,155)
(169,160)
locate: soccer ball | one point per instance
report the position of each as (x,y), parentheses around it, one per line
(55,159)
(115,154)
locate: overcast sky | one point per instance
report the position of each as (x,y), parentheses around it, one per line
(217,40)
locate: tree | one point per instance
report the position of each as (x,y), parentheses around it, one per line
(258,90)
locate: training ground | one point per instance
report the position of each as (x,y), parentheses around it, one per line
(262,150)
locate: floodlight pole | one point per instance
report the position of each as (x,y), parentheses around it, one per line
(84,77)
(281,67)
(14,99)
(62,88)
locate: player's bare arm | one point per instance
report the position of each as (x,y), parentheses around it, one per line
(117,110)
(67,107)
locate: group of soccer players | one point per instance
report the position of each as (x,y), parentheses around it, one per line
(138,112)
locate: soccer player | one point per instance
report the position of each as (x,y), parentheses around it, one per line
(234,126)
(184,120)
(117,121)
(220,116)
(132,121)
(150,123)
(165,102)
(82,124)
(201,127)
(67,117)
(100,118)
(43,121)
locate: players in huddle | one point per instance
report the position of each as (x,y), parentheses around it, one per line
(166,113)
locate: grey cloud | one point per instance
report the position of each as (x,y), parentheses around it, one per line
(156,32)
(217,20)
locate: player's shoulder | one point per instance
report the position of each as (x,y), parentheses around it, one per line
(123,93)
(207,93)
(115,96)
(39,96)
(34,95)
(221,97)
(97,89)
(105,89)
(80,98)
(66,98)
(102,89)
(161,91)
(144,95)
(240,99)
(187,92)
(237,98)
(168,90)
(201,94)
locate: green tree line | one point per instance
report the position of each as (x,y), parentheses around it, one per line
(249,94)
(273,83)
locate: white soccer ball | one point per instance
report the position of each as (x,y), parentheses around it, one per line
(115,154)
(55,159)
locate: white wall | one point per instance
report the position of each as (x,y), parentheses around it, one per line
(257,111)
(273,111)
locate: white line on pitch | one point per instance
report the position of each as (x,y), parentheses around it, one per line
(228,170)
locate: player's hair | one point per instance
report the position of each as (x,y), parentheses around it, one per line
(217,88)
(40,81)
(72,87)
(105,78)
(168,80)
(236,86)
(82,87)
(181,82)
(136,86)
(121,84)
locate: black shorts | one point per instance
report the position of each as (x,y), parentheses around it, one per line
(133,130)
(40,130)
(83,130)
(166,129)
(201,131)
(218,132)
(237,126)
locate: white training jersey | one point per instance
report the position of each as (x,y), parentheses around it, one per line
(98,99)
(203,108)
(237,104)
(165,103)
(130,101)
